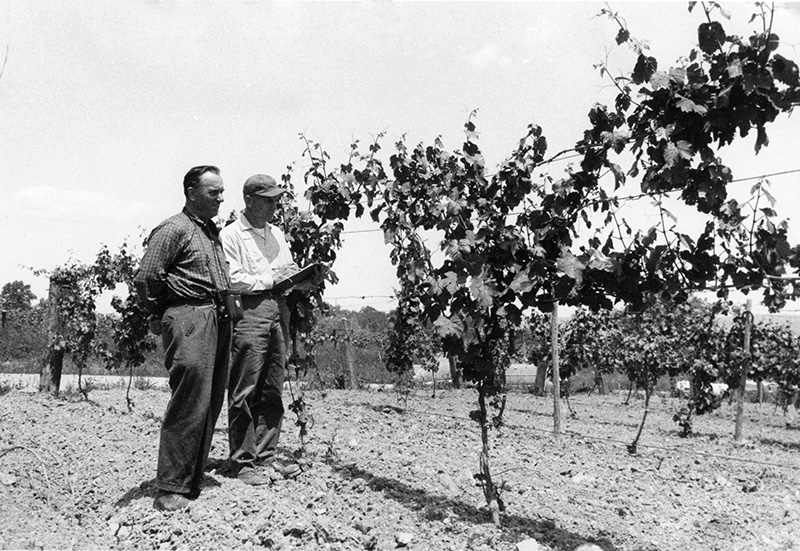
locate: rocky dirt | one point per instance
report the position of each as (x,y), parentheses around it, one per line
(384,471)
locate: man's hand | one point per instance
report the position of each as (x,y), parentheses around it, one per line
(313,282)
(285,271)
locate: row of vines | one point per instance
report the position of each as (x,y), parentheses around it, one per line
(478,251)
(694,341)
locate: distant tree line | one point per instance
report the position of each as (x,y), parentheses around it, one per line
(23,340)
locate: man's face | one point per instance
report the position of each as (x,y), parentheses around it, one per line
(263,208)
(206,197)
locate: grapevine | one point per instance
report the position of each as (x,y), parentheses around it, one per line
(476,252)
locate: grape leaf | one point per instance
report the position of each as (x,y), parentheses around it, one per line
(688,106)
(451,282)
(446,327)
(663,133)
(538,251)
(619,175)
(569,264)
(756,77)
(599,261)
(677,150)
(522,282)
(482,291)
(677,75)
(563,186)
(710,36)
(765,192)
(616,140)
(735,68)
(785,70)
(644,69)
(659,80)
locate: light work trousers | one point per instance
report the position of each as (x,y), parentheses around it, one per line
(258,361)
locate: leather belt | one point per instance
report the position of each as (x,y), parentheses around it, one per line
(268,293)
(198,302)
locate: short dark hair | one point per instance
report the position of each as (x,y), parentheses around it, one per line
(192,177)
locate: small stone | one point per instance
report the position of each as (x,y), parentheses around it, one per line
(403,539)
(176,526)
(529,544)
(582,478)
(588,547)
(296,530)
(113,526)
(370,542)
(363,527)
(751,486)
(7,479)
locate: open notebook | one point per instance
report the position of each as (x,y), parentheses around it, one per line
(294,279)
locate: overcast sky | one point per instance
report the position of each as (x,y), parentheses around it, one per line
(105,104)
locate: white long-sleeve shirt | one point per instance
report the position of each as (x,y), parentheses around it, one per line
(254,254)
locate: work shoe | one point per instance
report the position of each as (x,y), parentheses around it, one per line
(287,469)
(168,501)
(249,476)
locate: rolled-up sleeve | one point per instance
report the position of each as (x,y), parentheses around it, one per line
(284,257)
(150,280)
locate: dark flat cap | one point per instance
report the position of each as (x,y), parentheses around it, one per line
(261,184)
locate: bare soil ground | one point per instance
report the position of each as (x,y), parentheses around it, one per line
(384,473)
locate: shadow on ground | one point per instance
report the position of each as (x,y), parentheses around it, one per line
(514,528)
(148,489)
(780,444)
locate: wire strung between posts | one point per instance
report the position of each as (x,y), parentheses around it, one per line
(628,197)
(362,231)
(361,297)
(766,175)
(620,442)
(375,299)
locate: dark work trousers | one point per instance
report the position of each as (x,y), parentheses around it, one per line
(196,349)
(258,359)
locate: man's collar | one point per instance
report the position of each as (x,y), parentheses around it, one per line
(210,224)
(248,226)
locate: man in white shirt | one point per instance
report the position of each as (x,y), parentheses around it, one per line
(259,256)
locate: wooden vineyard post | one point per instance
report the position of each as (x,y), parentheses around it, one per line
(540,384)
(347,354)
(556,375)
(53,361)
(740,392)
(455,374)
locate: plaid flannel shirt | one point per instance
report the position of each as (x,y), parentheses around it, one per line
(184,261)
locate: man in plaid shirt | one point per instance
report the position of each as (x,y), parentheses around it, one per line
(180,281)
